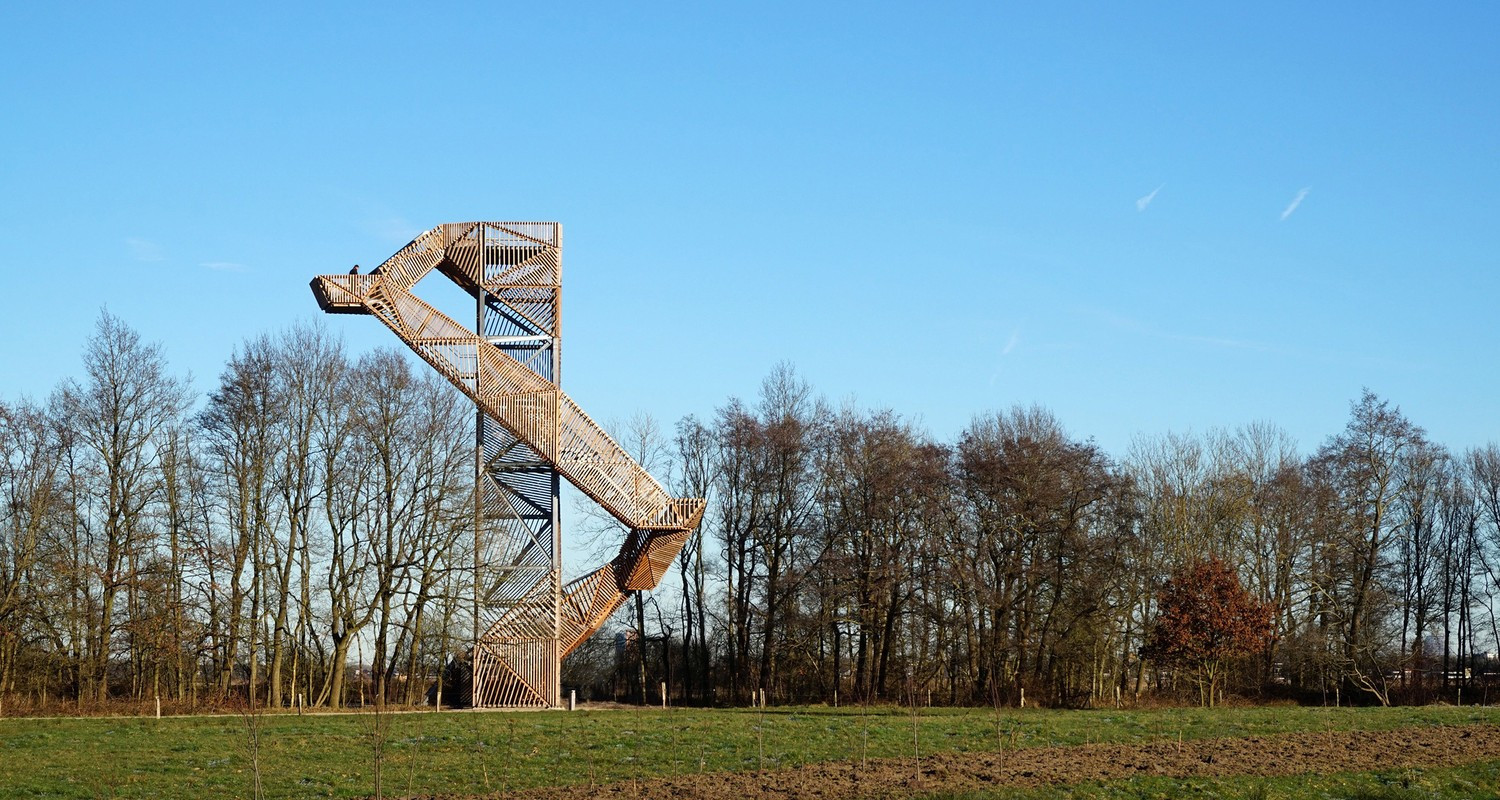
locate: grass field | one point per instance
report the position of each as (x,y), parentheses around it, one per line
(458,752)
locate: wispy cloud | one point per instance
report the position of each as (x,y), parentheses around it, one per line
(1142,203)
(1010,344)
(1296,201)
(1138,327)
(223,266)
(144,250)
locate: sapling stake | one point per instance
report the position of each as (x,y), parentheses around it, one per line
(916,756)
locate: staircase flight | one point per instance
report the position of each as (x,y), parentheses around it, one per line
(519,264)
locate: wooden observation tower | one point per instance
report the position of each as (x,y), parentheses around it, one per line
(528,436)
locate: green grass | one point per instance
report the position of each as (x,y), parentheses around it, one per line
(329,755)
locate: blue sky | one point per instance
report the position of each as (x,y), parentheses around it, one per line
(1144,216)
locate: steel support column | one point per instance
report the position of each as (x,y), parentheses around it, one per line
(517,665)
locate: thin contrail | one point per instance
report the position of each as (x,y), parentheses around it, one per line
(1140,204)
(1015,338)
(1296,201)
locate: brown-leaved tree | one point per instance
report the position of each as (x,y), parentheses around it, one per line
(1206,620)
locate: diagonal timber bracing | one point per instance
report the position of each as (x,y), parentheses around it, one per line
(529,433)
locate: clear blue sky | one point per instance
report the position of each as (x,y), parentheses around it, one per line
(1144,216)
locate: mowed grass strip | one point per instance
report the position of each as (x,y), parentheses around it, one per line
(465,752)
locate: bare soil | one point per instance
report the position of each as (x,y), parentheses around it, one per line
(1289,754)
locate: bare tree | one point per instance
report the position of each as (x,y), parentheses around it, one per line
(737,514)
(786,481)
(346,467)
(1048,525)
(440,494)
(1460,558)
(695,458)
(1364,467)
(1418,552)
(31,501)
(308,367)
(237,426)
(125,402)
(1484,486)
(884,485)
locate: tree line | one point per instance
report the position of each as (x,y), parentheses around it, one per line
(304,534)
(154,548)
